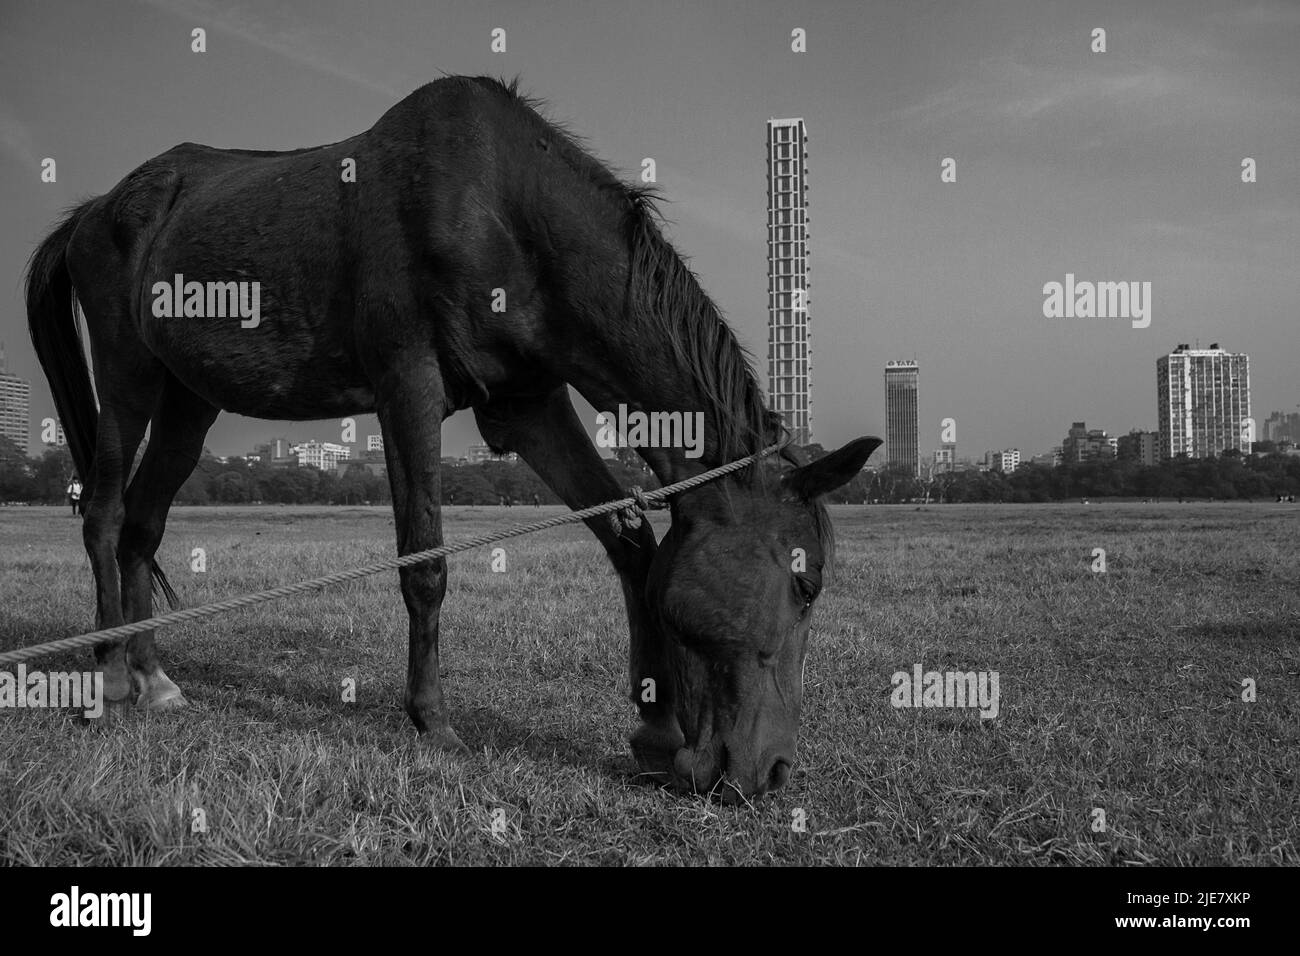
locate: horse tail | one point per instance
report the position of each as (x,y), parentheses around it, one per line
(53,319)
(53,322)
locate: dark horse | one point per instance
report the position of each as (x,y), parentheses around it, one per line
(476,257)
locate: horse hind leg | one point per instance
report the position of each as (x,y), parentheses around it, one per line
(118,434)
(175,444)
(128,379)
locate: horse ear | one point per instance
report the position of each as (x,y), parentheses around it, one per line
(830,471)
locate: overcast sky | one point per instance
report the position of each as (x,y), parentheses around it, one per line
(1123,165)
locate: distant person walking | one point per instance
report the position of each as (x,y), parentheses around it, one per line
(74,493)
(537,502)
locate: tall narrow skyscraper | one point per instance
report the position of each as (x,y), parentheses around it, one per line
(1203,396)
(15,405)
(789,363)
(901,423)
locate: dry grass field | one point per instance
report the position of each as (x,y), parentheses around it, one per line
(1119,691)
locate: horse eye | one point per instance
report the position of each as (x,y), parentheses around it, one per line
(806,589)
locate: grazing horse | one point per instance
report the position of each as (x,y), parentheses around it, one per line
(462,253)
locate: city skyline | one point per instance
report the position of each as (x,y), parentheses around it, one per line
(902,380)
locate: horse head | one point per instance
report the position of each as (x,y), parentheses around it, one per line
(733,586)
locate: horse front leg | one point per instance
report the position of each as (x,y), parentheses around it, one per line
(410,416)
(547,434)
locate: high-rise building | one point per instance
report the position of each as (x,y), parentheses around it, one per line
(901,422)
(278,451)
(1203,397)
(1087,444)
(1282,426)
(789,352)
(478,454)
(1137,445)
(1005,461)
(15,405)
(375,443)
(324,455)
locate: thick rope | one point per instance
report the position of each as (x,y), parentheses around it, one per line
(638,500)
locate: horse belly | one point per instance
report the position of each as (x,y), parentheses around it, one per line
(255,382)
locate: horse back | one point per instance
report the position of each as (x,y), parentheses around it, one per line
(400,233)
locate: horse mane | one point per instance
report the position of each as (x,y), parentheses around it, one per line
(665,295)
(664,291)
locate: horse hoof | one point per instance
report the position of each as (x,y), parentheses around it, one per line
(654,746)
(443,739)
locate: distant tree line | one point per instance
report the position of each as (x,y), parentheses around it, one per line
(239,481)
(1228,477)
(41,479)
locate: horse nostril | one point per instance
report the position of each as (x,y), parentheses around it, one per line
(779,775)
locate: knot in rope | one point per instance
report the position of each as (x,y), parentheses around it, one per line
(630,518)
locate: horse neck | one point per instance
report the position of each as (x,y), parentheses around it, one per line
(622,359)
